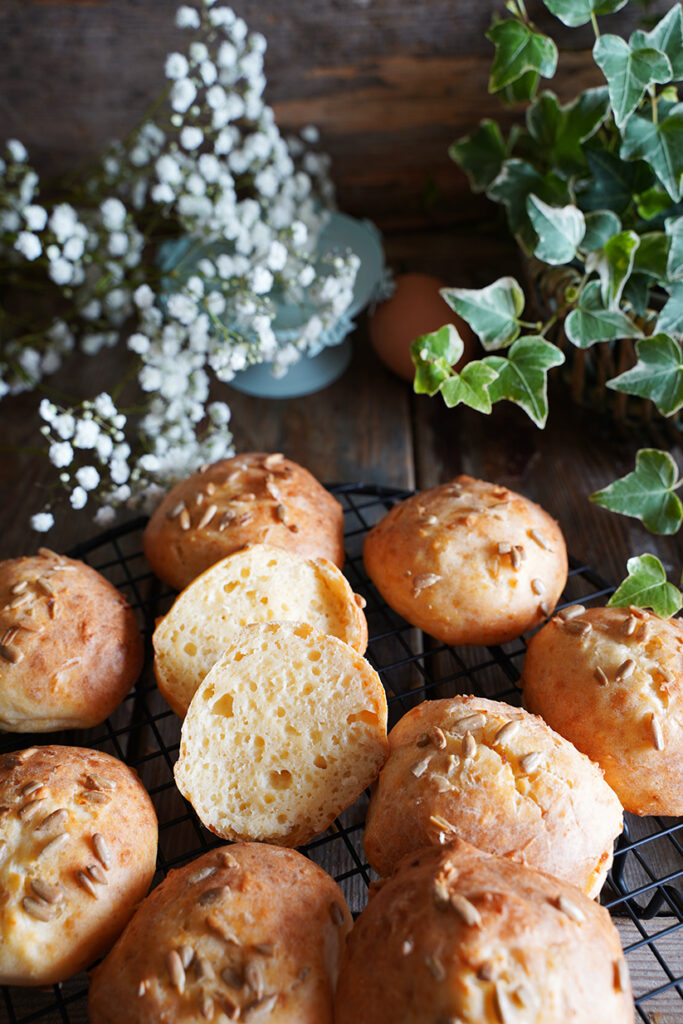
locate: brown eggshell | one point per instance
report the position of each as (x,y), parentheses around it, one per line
(415,308)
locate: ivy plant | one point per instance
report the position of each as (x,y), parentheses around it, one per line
(593,191)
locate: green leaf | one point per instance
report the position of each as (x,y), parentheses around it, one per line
(492,312)
(614,263)
(674,229)
(614,181)
(480,154)
(601,225)
(561,130)
(652,254)
(519,49)
(522,90)
(471,387)
(666,36)
(647,493)
(660,144)
(578,12)
(433,355)
(591,321)
(522,376)
(559,230)
(657,375)
(637,293)
(652,202)
(516,181)
(629,71)
(646,586)
(670,320)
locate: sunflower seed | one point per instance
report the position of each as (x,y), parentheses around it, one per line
(600,675)
(625,670)
(94,781)
(232,977)
(199,499)
(538,586)
(570,908)
(571,612)
(267,948)
(206,1006)
(516,557)
(469,745)
(430,520)
(201,874)
(186,954)
(175,510)
(487,971)
(45,586)
(507,1014)
(253,975)
(11,654)
(273,490)
(424,581)
(96,796)
(437,736)
(97,874)
(210,488)
(436,968)
(101,850)
(143,987)
(9,635)
(644,634)
(203,968)
(441,785)
(18,588)
(540,539)
(46,892)
(21,601)
(530,761)
(87,883)
(31,787)
(506,732)
(444,827)
(630,625)
(212,895)
(657,733)
(545,609)
(31,808)
(228,860)
(55,844)
(57,817)
(207,516)
(263,1005)
(441,893)
(245,518)
(465,910)
(184,520)
(420,767)
(408,946)
(504,548)
(422,740)
(37,909)
(176,971)
(577,627)
(337,914)
(470,721)
(622,982)
(11,761)
(281,513)
(247,496)
(273,461)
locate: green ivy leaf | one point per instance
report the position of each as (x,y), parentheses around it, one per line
(523,375)
(666,36)
(591,321)
(637,293)
(657,375)
(614,263)
(578,12)
(516,181)
(471,387)
(559,230)
(480,154)
(522,90)
(492,312)
(674,229)
(646,586)
(561,130)
(433,355)
(652,202)
(647,493)
(652,254)
(601,225)
(629,71)
(670,320)
(614,181)
(519,50)
(660,144)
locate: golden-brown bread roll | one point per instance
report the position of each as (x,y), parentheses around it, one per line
(247,932)
(78,842)
(70,647)
(286,731)
(498,778)
(468,562)
(458,935)
(259,584)
(253,497)
(611,681)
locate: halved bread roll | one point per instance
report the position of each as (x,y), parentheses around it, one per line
(285,732)
(260,584)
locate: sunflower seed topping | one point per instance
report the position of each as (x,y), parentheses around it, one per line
(540,539)
(210,488)
(11,654)
(143,988)
(272,462)
(408,946)
(530,761)
(600,675)
(422,740)
(424,580)
(96,796)
(210,896)
(626,669)
(465,910)
(37,909)
(226,519)
(470,721)
(436,968)
(337,914)
(267,948)
(31,808)
(31,787)
(207,516)
(201,874)
(101,850)
(20,601)
(203,968)
(545,609)
(55,844)
(504,547)
(175,510)
(57,817)
(263,1005)
(360,600)
(487,971)
(420,767)
(9,635)
(18,588)
(644,634)
(184,519)
(86,882)
(44,585)
(657,733)
(94,781)
(507,731)
(437,737)
(441,784)
(538,586)
(186,954)
(206,1006)
(577,627)
(46,892)
(622,982)
(516,557)
(630,625)
(253,975)
(570,908)
(97,874)
(281,512)
(176,971)
(469,745)
(571,612)
(232,977)
(199,498)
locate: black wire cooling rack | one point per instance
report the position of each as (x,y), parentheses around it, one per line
(644,891)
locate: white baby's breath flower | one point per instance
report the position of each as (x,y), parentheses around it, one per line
(118,243)
(183,95)
(219,413)
(78,498)
(47,410)
(168,170)
(208,72)
(35,217)
(119,471)
(198,52)
(143,297)
(104,406)
(310,134)
(74,248)
(63,221)
(61,271)
(60,454)
(277,256)
(261,280)
(222,17)
(215,303)
(139,343)
(105,516)
(113,214)
(209,168)
(191,137)
(88,477)
(306,275)
(176,66)
(187,17)
(162,193)
(238,29)
(9,221)
(42,522)
(17,151)
(87,432)
(28,245)
(104,447)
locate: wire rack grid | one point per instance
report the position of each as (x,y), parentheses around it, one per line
(644,892)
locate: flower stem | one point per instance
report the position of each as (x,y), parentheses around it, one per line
(594,23)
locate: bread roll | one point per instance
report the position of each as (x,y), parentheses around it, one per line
(70,646)
(78,842)
(502,780)
(468,562)
(259,584)
(247,932)
(611,681)
(458,935)
(285,732)
(250,498)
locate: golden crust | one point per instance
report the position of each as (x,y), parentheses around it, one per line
(78,840)
(249,926)
(254,497)
(458,935)
(468,562)
(461,767)
(71,648)
(611,681)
